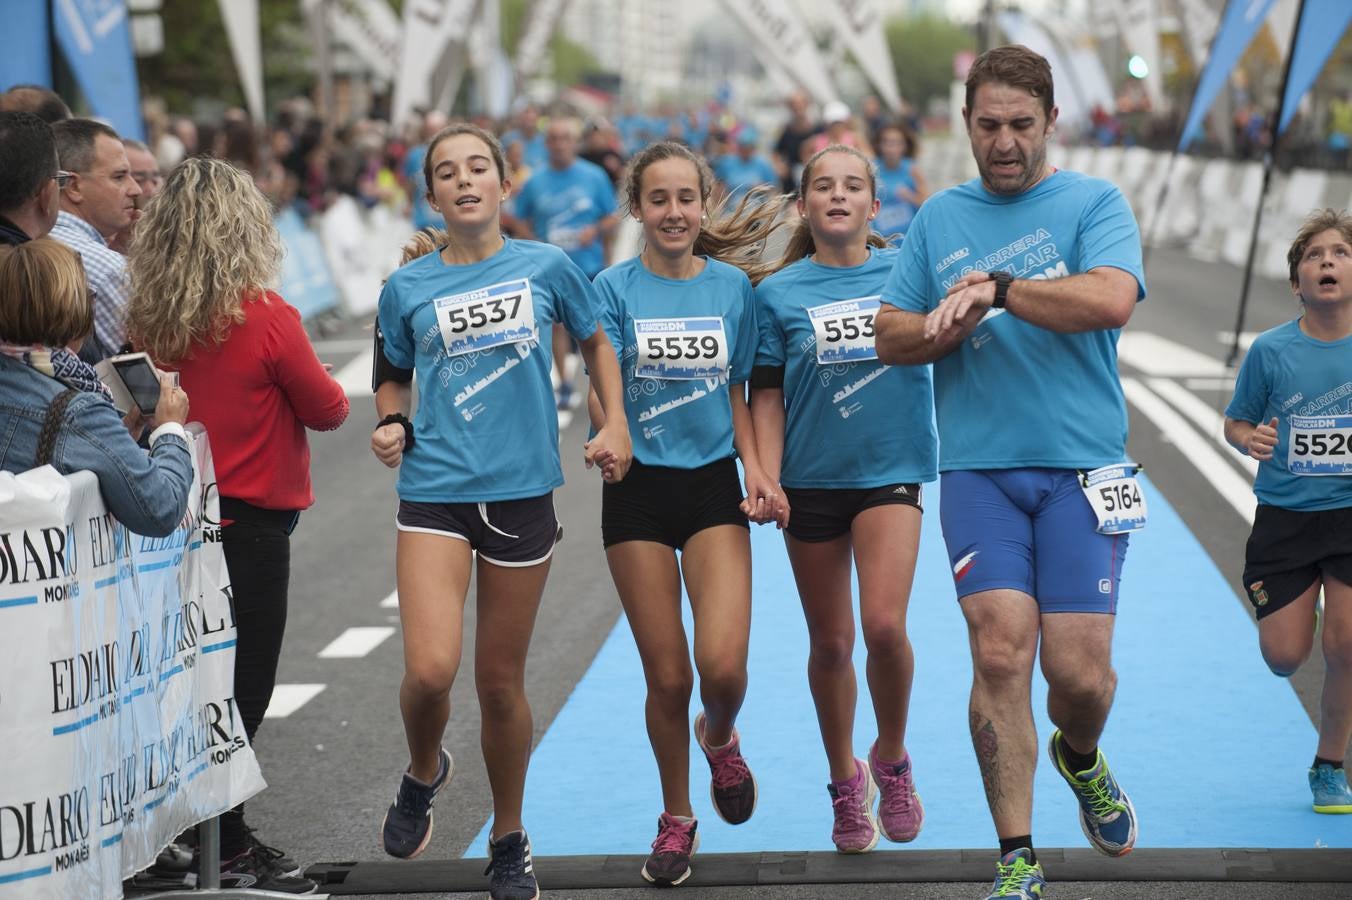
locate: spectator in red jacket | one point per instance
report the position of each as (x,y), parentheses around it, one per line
(200,258)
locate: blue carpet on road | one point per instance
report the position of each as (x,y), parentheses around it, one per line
(1212,748)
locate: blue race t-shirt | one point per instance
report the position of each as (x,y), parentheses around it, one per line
(741,175)
(558,203)
(850,421)
(424,216)
(1307,385)
(534,152)
(485,427)
(681,344)
(895,214)
(1014,395)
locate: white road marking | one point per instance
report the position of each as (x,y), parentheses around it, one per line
(1199,451)
(356,642)
(1209,421)
(391,601)
(355,376)
(341,345)
(1155,355)
(1209,384)
(1227,338)
(287,698)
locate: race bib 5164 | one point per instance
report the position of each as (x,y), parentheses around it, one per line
(1115,496)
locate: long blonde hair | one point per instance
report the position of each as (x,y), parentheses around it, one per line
(737,235)
(205,245)
(801,242)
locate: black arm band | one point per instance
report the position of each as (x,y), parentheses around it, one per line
(382,370)
(400,419)
(766,377)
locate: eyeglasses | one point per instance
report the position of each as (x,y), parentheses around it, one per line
(63,178)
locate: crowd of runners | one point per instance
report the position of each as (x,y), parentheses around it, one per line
(897,338)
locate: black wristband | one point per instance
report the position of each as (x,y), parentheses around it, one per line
(767,377)
(400,419)
(1002,281)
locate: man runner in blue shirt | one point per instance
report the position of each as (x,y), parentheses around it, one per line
(1015,286)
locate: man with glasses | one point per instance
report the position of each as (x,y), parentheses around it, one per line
(29,178)
(98,202)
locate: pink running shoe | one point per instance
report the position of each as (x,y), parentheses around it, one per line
(900,814)
(669,863)
(733,787)
(856,828)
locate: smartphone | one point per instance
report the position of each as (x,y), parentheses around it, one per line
(141,379)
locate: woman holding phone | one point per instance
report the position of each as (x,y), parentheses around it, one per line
(201,256)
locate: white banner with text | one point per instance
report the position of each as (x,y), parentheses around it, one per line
(117,712)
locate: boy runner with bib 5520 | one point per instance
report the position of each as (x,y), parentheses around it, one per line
(1292,411)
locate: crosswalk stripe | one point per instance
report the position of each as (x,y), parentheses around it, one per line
(356,642)
(287,698)
(1196,449)
(355,376)
(1209,421)
(1155,355)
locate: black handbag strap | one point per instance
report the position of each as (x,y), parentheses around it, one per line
(51,426)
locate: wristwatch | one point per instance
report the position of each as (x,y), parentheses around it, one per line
(1002,281)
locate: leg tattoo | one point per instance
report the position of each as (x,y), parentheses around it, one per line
(987,757)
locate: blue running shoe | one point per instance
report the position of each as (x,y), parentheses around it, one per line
(1331,793)
(1016,877)
(511,875)
(1106,814)
(408,822)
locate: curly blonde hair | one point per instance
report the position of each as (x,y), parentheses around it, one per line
(205,246)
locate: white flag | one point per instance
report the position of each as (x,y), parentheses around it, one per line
(1138,23)
(860,25)
(534,41)
(1199,26)
(369,27)
(430,27)
(779,36)
(241,27)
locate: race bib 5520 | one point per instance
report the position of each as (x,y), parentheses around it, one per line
(1320,445)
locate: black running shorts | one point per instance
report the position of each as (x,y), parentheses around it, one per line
(1288,549)
(512,533)
(669,506)
(824,514)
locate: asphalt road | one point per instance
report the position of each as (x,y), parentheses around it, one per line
(333,763)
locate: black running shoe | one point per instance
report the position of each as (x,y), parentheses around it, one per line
(280,861)
(250,870)
(511,876)
(408,822)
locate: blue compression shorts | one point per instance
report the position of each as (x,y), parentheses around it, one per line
(1029,530)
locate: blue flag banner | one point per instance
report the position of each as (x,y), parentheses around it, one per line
(28,57)
(1238,26)
(1322,25)
(306,282)
(95,40)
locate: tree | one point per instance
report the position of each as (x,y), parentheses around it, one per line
(922,53)
(196,61)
